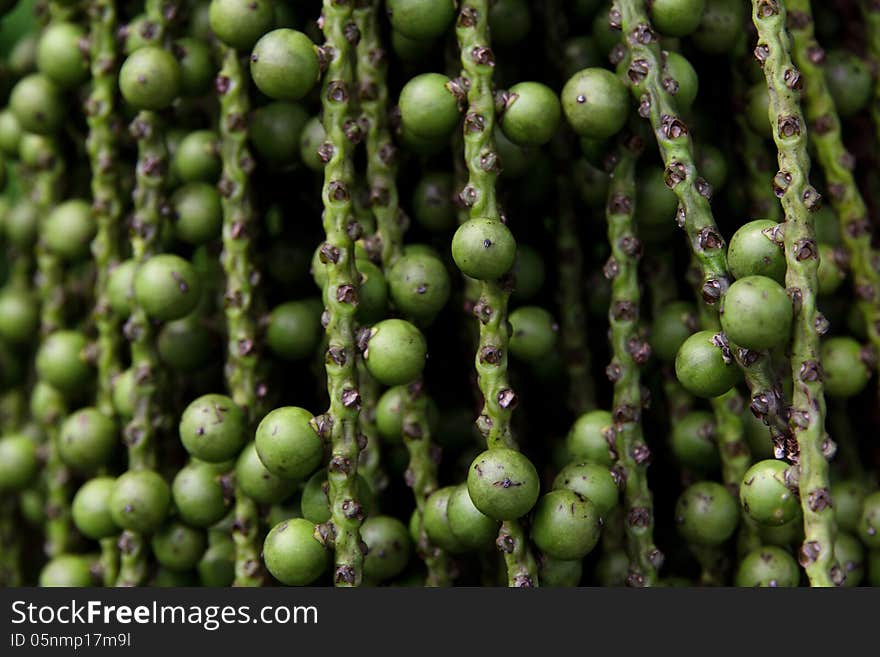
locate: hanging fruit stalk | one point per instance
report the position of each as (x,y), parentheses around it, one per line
(799,199)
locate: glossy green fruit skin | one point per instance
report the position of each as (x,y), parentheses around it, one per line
(90,508)
(483,249)
(313,135)
(21,224)
(753,252)
(197,158)
(19,315)
(185,345)
(47,403)
(217,565)
(693,441)
(849,498)
(19,463)
(178,547)
(428,109)
(87,440)
(123,394)
(61,361)
(199,495)
(503,483)
(60,56)
(850,554)
(565,525)
(257,482)
(756,313)
(239,23)
(293,555)
(197,67)
(671,327)
(596,103)
(37,104)
(765,496)
(869,522)
(140,501)
(436,521)
(706,514)
(167,287)
(591,481)
(532,114)
(588,438)
(373,292)
(120,285)
(389,547)
(469,526)
(288,444)
(198,213)
(555,573)
(68,570)
(529,273)
(294,329)
(10,133)
(534,333)
(677,18)
(213,428)
(845,371)
(276,131)
(757,107)
(768,566)
(284,64)
(149,78)
(421,20)
(390,410)
(396,352)
(69,230)
(681,70)
(700,366)
(419,286)
(849,81)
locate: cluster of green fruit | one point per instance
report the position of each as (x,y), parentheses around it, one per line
(220,214)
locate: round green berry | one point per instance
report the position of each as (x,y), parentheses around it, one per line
(470,526)
(396,352)
(149,78)
(288,444)
(19,463)
(284,64)
(591,481)
(436,521)
(197,158)
(756,313)
(596,103)
(869,522)
(19,315)
(849,81)
(239,23)
(754,251)
(257,482)
(766,494)
(294,330)
(62,55)
(484,249)
(419,285)
(91,508)
(428,109)
(37,104)
(276,130)
(693,441)
(61,361)
(591,437)
(178,547)
(534,333)
(388,547)
(565,525)
(703,367)
(768,566)
(845,372)
(167,287)
(848,497)
(706,513)
(672,325)
(198,213)
(67,570)
(293,555)
(140,500)
(531,115)
(421,20)
(213,428)
(201,497)
(677,18)
(503,483)
(87,440)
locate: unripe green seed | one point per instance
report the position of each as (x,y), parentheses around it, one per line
(756,313)
(140,500)
(91,508)
(766,495)
(292,553)
(288,444)
(483,249)
(706,513)
(213,428)
(503,483)
(565,525)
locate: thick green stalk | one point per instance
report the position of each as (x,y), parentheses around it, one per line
(340,295)
(106,195)
(107,206)
(629,353)
(837,165)
(45,193)
(499,399)
(140,433)
(239,226)
(642,70)
(799,198)
(421,476)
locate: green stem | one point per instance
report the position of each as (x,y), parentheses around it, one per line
(239,226)
(871,14)
(340,296)
(629,352)
(837,165)
(50,285)
(478,61)
(807,416)
(421,476)
(109,560)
